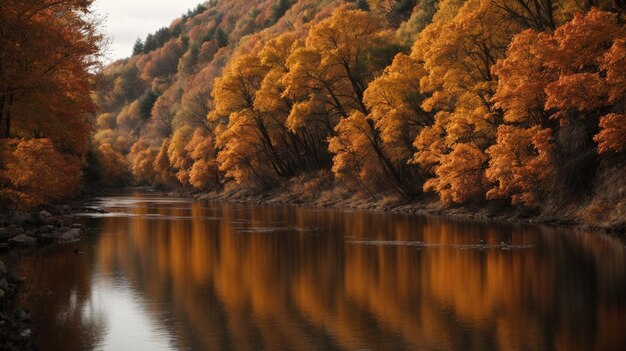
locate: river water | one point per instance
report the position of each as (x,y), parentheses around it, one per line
(161,273)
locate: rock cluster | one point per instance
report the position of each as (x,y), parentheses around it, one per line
(15,330)
(54,224)
(28,229)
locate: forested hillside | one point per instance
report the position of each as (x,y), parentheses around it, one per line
(516,103)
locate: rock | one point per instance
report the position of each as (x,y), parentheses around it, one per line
(43,215)
(47,237)
(63,229)
(11,231)
(3,268)
(75,232)
(66,237)
(21,218)
(77,225)
(22,314)
(54,221)
(2,294)
(23,239)
(26,333)
(45,229)
(4,285)
(67,208)
(51,235)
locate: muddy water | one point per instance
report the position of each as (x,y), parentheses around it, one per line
(160,273)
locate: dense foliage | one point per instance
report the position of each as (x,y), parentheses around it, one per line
(473,100)
(48,51)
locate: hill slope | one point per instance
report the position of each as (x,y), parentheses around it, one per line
(481,102)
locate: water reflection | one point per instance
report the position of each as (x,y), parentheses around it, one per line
(191,275)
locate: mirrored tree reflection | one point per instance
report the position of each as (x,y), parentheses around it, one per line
(218,276)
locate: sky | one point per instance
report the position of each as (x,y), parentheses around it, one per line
(127,20)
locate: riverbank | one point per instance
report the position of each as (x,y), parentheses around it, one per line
(311,191)
(25,230)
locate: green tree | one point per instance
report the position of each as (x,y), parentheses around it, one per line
(138,47)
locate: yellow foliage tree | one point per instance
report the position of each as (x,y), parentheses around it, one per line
(394,100)
(164,174)
(459,52)
(113,164)
(355,155)
(204,173)
(235,94)
(142,156)
(461,175)
(335,66)
(178,155)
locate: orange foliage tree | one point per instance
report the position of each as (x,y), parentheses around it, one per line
(48,48)
(36,173)
(48,51)
(565,76)
(459,52)
(519,162)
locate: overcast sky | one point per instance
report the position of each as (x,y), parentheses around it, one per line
(127,20)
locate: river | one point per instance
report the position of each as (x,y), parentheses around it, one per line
(162,273)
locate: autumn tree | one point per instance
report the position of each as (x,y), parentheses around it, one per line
(539,90)
(178,155)
(521,91)
(355,158)
(612,135)
(48,53)
(520,162)
(143,157)
(396,11)
(583,90)
(335,66)
(305,146)
(395,100)
(164,173)
(460,177)
(113,164)
(235,95)
(459,53)
(204,173)
(535,14)
(35,173)
(47,48)
(421,16)
(163,62)
(163,113)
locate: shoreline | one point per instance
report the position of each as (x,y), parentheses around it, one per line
(52,224)
(424,205)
